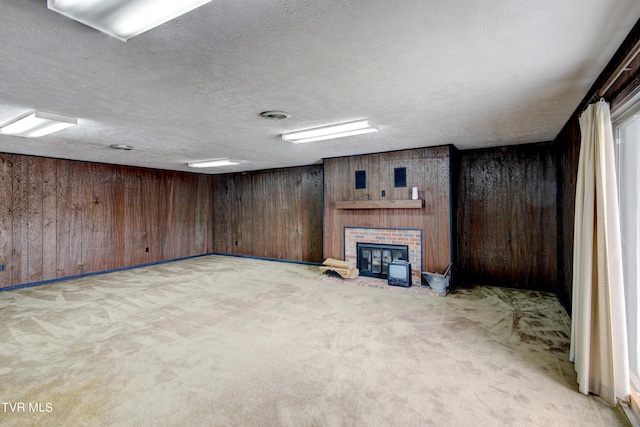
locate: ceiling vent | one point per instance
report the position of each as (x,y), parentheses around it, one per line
(275,115)
(121,147)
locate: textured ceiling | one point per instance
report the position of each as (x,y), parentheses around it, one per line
(472,74)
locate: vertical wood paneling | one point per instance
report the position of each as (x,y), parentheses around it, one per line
(165,233)
(376,182)
(178,218)
(199,237)
(311,214)
(241,215)
(223,189)
(155,230)
(105,189)
(266,198)
(269,214)
(99,220)
(108,211)
(427,169)
(203,237)
(75,226)
(328,215)
(546,219)
(192,215)
(118,250)
(235,215)
(149,184)
(88,210)
(49,219)
(20,216)
(444,212)
(34,219)
(181,210)
(6,217)
(63,218)
(433,221)
(64,213)
(135,223)
(208,218)
(568,142)
(190,193)
(293,185)
(507,217)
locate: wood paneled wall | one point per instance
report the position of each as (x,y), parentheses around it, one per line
(270,214)
(568,144)
(61,218)
(427,168)
(507,215)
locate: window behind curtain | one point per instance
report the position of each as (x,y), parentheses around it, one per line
(626,123)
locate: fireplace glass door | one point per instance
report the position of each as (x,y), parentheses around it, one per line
(374,259)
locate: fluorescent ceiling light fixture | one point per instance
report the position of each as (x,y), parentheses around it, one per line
(123,19)
(38,124)
(329,132)
(213,163)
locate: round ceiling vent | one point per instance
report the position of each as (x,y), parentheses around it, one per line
(275,115)
(121,147)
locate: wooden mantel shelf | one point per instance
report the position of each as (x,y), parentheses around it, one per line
(380,204)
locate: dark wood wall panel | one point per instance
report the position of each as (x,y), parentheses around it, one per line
(311,217)
(62,218)
(34,218)
(87,208)
(203,235)
(269,214)
(120,236)
(223,203)
(19,262)
(427,168)
(163,217)
(49,221)
(568,145)
(134,225)
(507,215)
(6,217)
(75,226)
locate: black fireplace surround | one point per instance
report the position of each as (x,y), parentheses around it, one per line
(374,258)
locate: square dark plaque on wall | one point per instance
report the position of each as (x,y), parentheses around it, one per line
(361,179)
(400,177)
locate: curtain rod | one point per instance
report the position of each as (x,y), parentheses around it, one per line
(621,68)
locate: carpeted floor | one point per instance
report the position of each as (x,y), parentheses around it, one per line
(223,341)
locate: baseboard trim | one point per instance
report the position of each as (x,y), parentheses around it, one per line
(288,261)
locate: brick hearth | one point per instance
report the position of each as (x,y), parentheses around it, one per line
(411,237)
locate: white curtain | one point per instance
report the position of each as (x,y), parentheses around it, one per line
(598,325)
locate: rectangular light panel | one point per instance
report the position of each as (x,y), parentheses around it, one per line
(212,163)
(123,19)
(38,124)
(329,132)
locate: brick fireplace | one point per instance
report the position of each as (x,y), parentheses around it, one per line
(412,237)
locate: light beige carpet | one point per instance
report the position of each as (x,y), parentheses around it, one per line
(222,341)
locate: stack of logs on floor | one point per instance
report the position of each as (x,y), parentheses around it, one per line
(345,269)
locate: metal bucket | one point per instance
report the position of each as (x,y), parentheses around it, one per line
(437,282)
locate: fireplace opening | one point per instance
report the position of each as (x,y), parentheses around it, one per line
(374,258)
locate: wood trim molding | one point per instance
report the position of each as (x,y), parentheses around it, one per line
(380,204)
